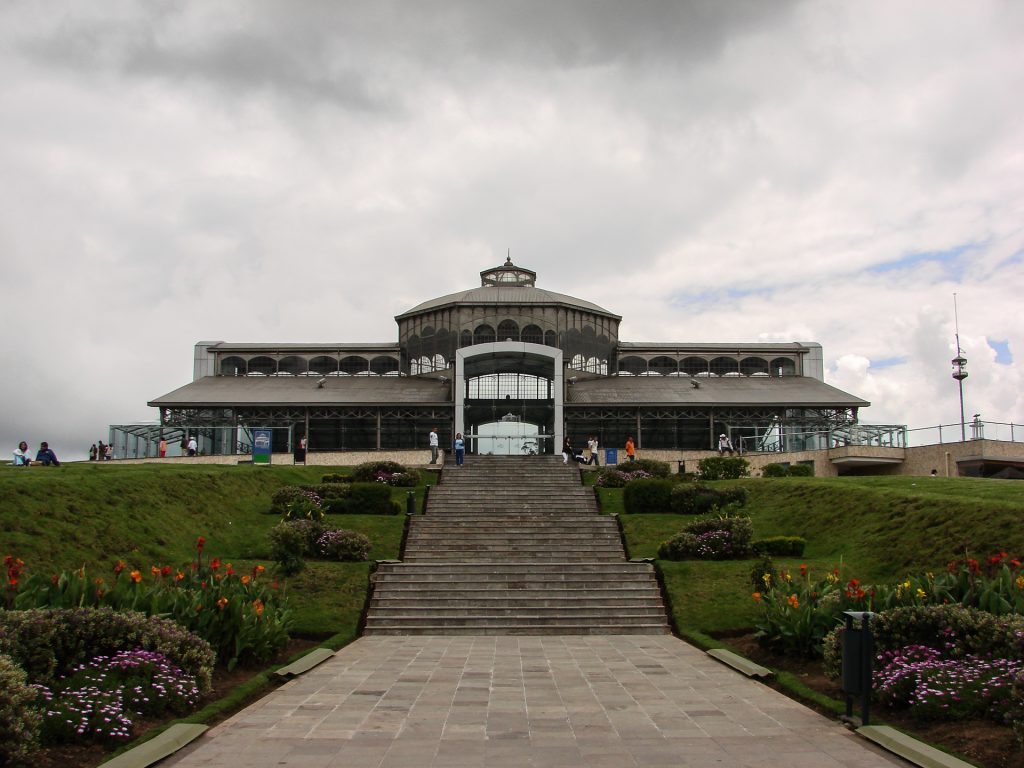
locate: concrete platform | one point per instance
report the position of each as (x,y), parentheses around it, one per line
(615,700)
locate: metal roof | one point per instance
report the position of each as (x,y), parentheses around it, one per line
(507,294)
(227,391)
(789,391)
(225,346)
(734,348)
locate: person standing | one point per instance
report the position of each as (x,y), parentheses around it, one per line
(108,452)
(434,445)
(163,448)
(566,450)
(593,444)
(193,446)
(93,452)
(630,449)
(460,450)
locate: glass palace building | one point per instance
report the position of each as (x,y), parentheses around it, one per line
(515,368)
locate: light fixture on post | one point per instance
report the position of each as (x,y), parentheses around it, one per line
(959,371)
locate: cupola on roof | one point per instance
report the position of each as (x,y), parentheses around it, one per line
(507,284)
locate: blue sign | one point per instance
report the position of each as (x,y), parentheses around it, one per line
(262,445)
(611,455)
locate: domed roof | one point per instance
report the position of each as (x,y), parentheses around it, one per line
(507,285)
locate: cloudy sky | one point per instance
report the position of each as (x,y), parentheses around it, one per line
(304,171)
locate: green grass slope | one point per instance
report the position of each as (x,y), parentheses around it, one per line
(95,515)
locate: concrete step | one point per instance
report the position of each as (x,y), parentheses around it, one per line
(504,603)
(523,628)
(536,617)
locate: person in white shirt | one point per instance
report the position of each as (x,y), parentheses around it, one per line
(193,446)
(433,445)
(724,444)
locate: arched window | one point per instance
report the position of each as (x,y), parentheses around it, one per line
(578,362)
(292,366)
(593,365)
(484,334)
(466,339)
(508,330)
(232,366)
(532,334)
(439,363)
(634,366)
(751,366)
(262,366)
(694,366)
(723,366)
(550,339)
(353,365)
(663,365)
(783,366)
(384,366)
(323,365)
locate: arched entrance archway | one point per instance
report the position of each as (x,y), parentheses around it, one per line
(509,395)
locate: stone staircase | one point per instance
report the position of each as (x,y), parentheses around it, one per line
(514,546)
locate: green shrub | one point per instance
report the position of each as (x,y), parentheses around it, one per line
(774,470)
(308,506)
(19,719)
(331,490)
(365,499)
(697,499)
(956,630)
(716,538)
(780,546)
(336,477)
(367,471)
(647,496)
(800,470)
(48,643)
(291,541)
(347,546)
(723,468)
(283,497)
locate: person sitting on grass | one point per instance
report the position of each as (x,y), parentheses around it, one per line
(21,455)
(46,456)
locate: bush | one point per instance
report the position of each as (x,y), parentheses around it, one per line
(347,546)
(365,499)
(697,499)
(19,720)
(956,630)
(368,470)
(774,470)
(716,538)
(723,468)
(336,477)
(307,506)
(800,470)
(652,467)
(650,496)
(283,497)
(49,643)
(290,542)
(780,546)
(331,490)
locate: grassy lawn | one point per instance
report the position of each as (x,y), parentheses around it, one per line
(95,515)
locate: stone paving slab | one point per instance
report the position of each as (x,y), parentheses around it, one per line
(621,701)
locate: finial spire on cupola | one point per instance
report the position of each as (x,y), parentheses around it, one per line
(508,274)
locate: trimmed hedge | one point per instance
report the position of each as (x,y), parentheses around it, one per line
(346,546)
(651,496)
(651,466)
(697,499)
(367,471)
(48,642)
(787,470)
(780,546)
(774,470)
(364,499)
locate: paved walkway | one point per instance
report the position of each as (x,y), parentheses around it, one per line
(615,701)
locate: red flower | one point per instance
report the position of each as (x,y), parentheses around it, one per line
(803,570)
(200,543)
(230,570)
(996,559)
(215,563)
(119,567)
(55,578)
(222,602)
(165,571)
(136,576)
(154,570)
(973,566)
(952,566)
(1015,564)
